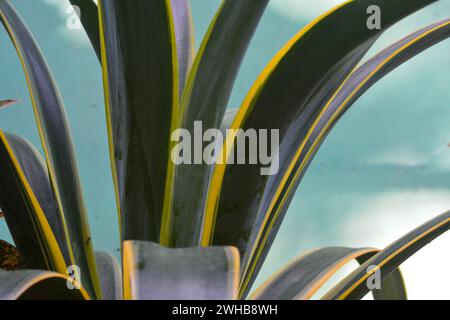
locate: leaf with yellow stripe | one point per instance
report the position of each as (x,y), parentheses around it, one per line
(354,286)
(57,143)
(288,96)
(302,278)
(140,74)
(205,98)
(184,33)
(358,83)
(24,192)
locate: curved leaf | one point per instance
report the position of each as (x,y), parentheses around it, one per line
(358,83)
(301,279)
(89,19)
(29,226)
(36,174)
(56,140)
(141,92)
(110,276)
(392,287)
(205,99)
(288,96)
(155,272)
(184,33)
(36,284)
(354,285)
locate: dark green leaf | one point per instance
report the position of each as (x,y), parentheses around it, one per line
(205,99)
(36,174)
(141,90)
(28,224)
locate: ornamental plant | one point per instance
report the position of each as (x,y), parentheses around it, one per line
(193,231)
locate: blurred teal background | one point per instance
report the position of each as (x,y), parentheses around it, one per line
(384,169)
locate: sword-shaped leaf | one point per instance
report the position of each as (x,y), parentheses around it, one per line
(354,286)
(56,140)
(184,33)
(36,174)
(302,278)
(205,98)
(183,30)
(358,83)
(24,191)
(141,91)
(37,284)
(288,96)
(154,272)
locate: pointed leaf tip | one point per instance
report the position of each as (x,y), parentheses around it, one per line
(8,102)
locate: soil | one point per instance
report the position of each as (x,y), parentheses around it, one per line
(9,257)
